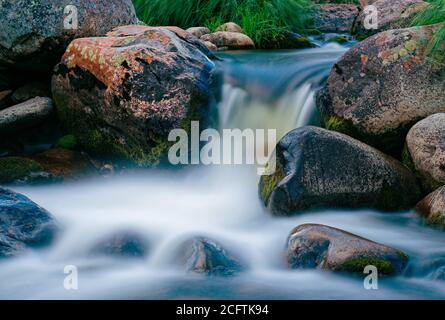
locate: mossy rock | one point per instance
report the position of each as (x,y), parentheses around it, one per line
(67,142)
(18,169)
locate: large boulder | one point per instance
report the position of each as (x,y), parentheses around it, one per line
(391,14)
(25,114)
(324,247)
(229,40)
(382,86)
(335,17)
(121,95)
(34,34)
(317,168)
(23,224)
(205,256)
(425,151)
(432,208)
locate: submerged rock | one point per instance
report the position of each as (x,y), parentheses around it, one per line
(36,33)
(25,115)
(121,95)
(126,244)
(425,151)
(230,27)
(432,208)
(391,14)
(201,255)
(323,247)
(383,86)
(317,168)
(23,224)
(335,17)
(229,40)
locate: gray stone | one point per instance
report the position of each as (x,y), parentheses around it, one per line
(335,17)
(31,90)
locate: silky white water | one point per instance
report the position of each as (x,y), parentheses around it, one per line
(261,90)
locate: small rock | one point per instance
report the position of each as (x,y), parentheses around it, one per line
(432,208)
(25,115)
(123,244)
(425,147)
(335,17)
(201,255)
(23,224)
(31,90)
(230,27)
(324,247)
(198,32)
(317,168)
(231,40)
(287,40)
(210,45)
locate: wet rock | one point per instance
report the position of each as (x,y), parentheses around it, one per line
(25,115)
(287,40)
(31,90)
(231,40)
(121,95)
(23,224)
(201,255)
(432,208)
(383,86)
(230,27)
(5,99)
(198,32)
(318,246)
(392,14)
(335,17)
(64,164)
(21,170)
(36,33)
(425,151)
(125,244)
(317,168)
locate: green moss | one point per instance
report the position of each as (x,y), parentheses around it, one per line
(16,168)
(357,265)
(437,220)
(67,142)
(269,182)
(339,39)
(335,123)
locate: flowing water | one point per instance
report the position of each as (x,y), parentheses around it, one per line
(261,90)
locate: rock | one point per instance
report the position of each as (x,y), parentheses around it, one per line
(65,165)
(198,32)
(432,208)
(23,224)
(317,168)
(392,14)
(324,247)
(5,99)
(210,45)
(425,151)
(123,244)
(287,40)
(31,90)
(34,33)
(382,86)
(121,95)
(337,38)
(25,115)
(21,170)
(231,40)
(230,27)
(201,255)
(335,17)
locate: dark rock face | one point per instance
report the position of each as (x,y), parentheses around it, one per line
(383,86)
(201,255)
(324,247)
(317,168)
(336,17)
(425,151)
(23,224)
(432,208)
(124,244)
(392,14)
(31,90)
(33,34)
(121,95)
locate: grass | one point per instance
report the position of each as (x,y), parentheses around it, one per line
(435,13)
(261,20)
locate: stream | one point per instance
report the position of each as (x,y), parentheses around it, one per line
(270,89)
